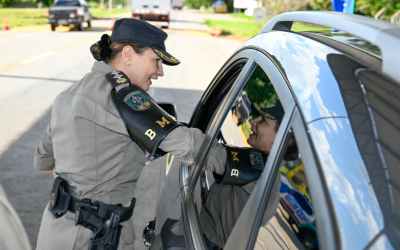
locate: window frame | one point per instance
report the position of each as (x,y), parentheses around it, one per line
(244,234)
(188,178)
(257,203)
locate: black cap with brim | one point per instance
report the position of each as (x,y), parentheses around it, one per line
(144,34)
(166,57)
(273,113)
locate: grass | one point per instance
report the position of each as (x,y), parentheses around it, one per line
(246,26)
(18,17)
(240,25)
(105,13)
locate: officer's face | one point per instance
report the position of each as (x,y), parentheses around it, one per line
(144,68)
(263,134)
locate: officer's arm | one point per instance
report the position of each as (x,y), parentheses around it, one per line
(43,158)
(185,143)
(146,122)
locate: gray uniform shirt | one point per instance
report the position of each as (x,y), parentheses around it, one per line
(87,144)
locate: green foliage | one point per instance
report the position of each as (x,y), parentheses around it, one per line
(23,16)
(6,3)
(47,2)
(274,7)
(197,4)
(363,7)
(371,7)
(260,90)
(237,27)
(240,25)
(105,13)
(18,17)
(320,4)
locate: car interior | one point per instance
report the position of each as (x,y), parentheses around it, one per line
(291,223)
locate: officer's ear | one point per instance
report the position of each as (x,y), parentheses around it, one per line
(128,53)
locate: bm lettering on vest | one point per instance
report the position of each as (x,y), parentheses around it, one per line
(235,172)
(150,133)
(164,122)
(235,156)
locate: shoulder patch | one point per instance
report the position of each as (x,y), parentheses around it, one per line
(138,101)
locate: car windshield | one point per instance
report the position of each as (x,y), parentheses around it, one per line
(67,3)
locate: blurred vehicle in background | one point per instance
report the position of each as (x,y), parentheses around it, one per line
(152,10)
(243,5)
(69,12)
(177,4)
(219,6)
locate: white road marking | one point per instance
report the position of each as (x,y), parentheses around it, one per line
(35,58)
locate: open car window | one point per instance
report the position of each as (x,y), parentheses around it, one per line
(241,150)
(214,95)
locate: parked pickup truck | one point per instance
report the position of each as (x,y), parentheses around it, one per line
(69,12)
(152,10)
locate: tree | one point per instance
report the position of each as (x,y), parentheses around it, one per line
(363,7)
(6,3)
(371,7)
(274,7)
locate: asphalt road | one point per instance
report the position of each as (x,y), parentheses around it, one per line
(37,65)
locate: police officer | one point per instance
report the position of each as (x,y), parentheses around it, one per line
(99,132)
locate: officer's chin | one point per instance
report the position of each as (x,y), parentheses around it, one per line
(143,86)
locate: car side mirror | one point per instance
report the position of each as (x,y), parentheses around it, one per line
(170,108)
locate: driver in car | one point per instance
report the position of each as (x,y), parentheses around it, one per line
(236,180)
(235,171)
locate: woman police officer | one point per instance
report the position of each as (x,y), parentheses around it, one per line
(95,144)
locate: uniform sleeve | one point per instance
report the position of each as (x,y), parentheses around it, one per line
(185,143)
(43,157)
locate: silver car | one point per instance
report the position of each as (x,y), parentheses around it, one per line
(339,86)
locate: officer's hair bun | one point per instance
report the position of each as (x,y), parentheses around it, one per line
(101,50)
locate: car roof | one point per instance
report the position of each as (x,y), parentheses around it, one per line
(382,34)
(305,60)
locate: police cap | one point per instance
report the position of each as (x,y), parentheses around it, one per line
(144,34)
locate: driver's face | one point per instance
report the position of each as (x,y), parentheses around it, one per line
(263,134)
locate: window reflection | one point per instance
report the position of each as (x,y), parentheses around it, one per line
(291,224)
(238,158)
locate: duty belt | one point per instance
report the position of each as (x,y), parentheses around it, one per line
(101,218)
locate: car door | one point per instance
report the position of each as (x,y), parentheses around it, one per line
(211,123)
